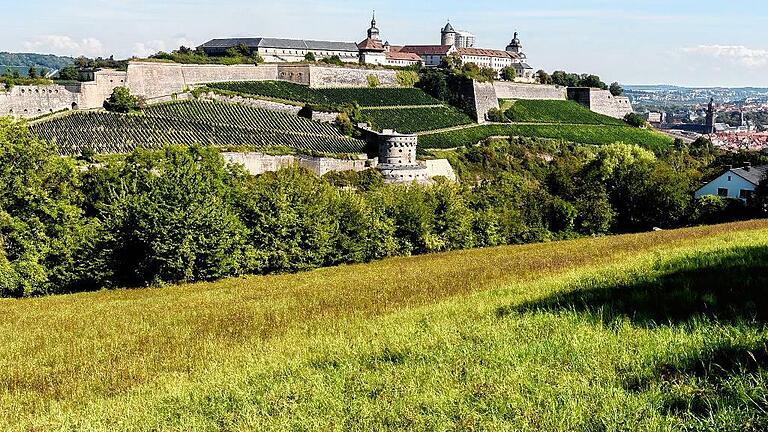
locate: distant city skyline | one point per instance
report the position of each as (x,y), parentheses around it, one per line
(684,42)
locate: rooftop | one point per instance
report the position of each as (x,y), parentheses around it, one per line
(298,44)
(754,175)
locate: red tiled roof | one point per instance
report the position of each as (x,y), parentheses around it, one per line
(427,49)
(396,55)
(396,48)
(371,45)
(480,52)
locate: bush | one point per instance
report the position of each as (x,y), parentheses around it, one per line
(333,60)
(310,57)
(306,112)
(173,220)
(407,78)
(121,101)
(345,124)
(635,120)
(508,73)
(497,116)
(373,81)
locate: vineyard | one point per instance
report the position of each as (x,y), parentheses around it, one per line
(555,111)
(331,97)
(584,134)
(412,120)
(208,123)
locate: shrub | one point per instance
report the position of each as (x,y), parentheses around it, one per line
(635,120)
(333,60)
(508,73)
(121,101)
(345,124)
(373,81)
(407,78)
(310,57)
(497,116)
(306,112)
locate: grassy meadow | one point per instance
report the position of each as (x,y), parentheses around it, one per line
(661,331)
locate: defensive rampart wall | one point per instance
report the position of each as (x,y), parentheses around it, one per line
(508,90)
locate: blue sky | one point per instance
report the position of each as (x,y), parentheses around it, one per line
(685,42)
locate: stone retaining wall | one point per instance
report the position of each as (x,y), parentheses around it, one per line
(508,90)
(258,163)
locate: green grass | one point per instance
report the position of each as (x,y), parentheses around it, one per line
(554,111)
(411,120)
(331,97)
(584,134)
(634,332)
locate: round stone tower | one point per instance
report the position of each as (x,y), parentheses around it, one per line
(397,158)
(448,35)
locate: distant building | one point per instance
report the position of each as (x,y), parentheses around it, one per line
(736,183)
(457,38)
(433,55)
(275,50)
(656,118)
(373,52)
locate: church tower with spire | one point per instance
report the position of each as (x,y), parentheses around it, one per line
(373,32)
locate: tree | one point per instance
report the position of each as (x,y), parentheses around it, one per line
(616,89)
(497,116)
(69,73)
(121,101)
(509,73)
(543,77)
(452,61)
(344,123)
(310,57)
(333,60)
(635,120)
(306,111)
(170,218)
(45,242)
(32,72)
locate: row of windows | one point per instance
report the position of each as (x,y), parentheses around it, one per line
(39,91)
(743,193)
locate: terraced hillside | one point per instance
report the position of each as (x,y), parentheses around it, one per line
(193,122)
(578,133)
(555,111)
(407,110)
(417,119)
(330,97)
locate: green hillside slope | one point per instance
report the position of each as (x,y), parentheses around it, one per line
(652,332)
(331,97)
(209,123)
(553,111)
(584,134)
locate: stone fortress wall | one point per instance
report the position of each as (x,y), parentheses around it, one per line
(484,99)
(157,81)
(601,101)
(257,163)
(509,90)
(33,101)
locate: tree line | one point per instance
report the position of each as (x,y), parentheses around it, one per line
(182,215)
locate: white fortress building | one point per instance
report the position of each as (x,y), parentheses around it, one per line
(374,50)
(457,38)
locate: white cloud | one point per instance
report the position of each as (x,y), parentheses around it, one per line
(145,49)
(65,45)
(738,54)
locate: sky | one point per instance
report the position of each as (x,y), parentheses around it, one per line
(681,42)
